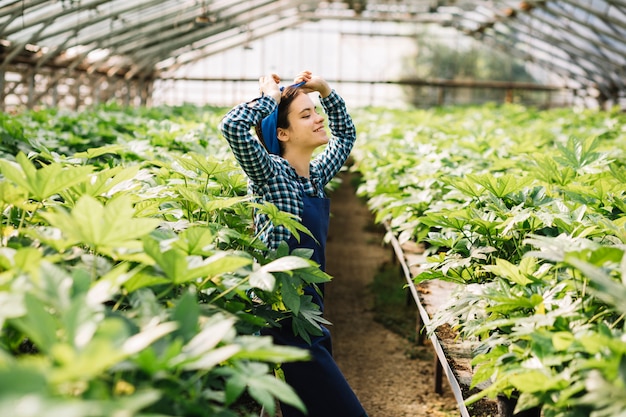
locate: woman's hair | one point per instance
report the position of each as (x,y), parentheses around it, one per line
(286,98)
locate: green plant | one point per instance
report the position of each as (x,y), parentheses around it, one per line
(129,279)
(525,210)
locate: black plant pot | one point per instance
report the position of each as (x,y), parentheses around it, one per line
(506,406)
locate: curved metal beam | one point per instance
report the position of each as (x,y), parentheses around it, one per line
(153,31)
(506,45)
(236,21)
(219,45)
(593,48)
(600,75)
(15,9)
(165,35)
(45,20)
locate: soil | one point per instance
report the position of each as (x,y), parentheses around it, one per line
(391,374)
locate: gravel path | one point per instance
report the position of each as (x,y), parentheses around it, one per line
(374,359)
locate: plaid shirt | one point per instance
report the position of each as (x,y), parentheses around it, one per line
(271,178)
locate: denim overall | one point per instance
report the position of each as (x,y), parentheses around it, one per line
(319,382)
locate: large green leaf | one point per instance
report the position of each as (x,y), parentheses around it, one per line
(39,405)
(261,348)
(186,313)
(262,386)
(12,194)
(44,182)
(291,294)
(102,226)
(196,241)
(581,154)
(501,185)
(513,273)
(549,171)
(106,181)
(604,286)
(282,218)
(181,268)
(532,380)
(263,280)
(38,323)
(102,150)
(209,347)
(207,165)
(210,204)
(286,263)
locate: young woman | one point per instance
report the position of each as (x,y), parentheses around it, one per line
(281,169)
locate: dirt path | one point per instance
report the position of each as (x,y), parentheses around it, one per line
(374,359)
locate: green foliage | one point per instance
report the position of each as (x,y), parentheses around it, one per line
(130,282)
(442,55)
(45,182)
(438,59)
(525,210)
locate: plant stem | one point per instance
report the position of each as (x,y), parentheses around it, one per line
(222,294)
(256,236)
(165,291)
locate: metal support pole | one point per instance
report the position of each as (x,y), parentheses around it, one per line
(31,89)
(2,96)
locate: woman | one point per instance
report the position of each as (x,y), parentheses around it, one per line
(281,170)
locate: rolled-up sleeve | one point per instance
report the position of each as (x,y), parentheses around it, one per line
(249,152)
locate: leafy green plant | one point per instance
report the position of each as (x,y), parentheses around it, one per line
(130,281)
(524,210)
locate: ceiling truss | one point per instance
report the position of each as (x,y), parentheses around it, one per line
(582,41)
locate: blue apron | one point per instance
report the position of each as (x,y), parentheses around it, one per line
(319,382)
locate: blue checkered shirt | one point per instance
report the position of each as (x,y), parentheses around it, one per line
(271,178)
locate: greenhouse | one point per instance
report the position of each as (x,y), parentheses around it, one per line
(165,250)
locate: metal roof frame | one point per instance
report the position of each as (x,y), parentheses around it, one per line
(545,27)
(579,40)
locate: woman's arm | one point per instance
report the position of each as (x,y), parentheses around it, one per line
(330,161)
(343,132)
(249,152)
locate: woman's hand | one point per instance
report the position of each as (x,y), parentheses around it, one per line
(268,85)
(313,83)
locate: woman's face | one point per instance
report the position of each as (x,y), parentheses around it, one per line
(306,126)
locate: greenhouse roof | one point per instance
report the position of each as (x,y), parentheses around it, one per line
(580,40)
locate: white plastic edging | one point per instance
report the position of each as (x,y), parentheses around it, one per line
(454,384)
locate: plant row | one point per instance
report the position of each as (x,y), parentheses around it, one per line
(131,281)
(526,211)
